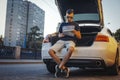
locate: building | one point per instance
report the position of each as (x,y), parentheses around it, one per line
(35,17)
(21,15)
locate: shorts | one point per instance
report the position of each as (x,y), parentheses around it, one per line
(61,44)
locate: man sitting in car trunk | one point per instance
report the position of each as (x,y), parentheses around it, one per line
(68,33)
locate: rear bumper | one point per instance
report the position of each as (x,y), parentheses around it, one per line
(92,63)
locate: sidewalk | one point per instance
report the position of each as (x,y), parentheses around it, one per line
(20,61)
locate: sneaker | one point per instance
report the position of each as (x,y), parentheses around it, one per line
(66,72)
(58,71)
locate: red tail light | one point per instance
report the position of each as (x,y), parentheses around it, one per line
(102,38)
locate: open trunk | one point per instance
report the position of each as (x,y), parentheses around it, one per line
(86,11)
(88,14)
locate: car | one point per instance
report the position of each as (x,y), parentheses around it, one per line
(96,49)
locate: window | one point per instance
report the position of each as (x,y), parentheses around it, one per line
(11,21)
(19,17)
(88,16)
(16,38)
(9,43)
(10,27)
(11,10)
(34,21)
(11,14)
(9,40)
(9,36)
(12,3)
(10,30)
(18,33)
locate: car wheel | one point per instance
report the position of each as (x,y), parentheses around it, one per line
(51,67)
(114,70)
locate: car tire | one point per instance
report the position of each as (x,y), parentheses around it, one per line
(51,67)
(114,70)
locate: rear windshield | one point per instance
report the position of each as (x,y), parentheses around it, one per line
(88,16)
(85,10)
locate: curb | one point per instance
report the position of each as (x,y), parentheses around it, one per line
(21,61)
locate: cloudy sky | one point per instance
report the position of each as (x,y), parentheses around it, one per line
(52,17)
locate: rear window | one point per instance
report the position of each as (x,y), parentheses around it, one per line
(88,16)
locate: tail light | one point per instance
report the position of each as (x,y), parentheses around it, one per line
(102,38)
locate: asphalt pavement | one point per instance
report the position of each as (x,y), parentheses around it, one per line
(39,72)
(20,61)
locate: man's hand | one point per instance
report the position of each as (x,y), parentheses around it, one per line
(61,35)
(46,39)
(77,34)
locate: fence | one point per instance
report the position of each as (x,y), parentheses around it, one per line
(7,52)
(19,53)
(30,54)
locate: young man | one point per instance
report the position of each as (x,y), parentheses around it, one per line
(68,32)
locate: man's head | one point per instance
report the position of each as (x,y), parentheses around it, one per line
(69,15)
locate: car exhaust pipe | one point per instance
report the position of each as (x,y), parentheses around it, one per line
(98,63)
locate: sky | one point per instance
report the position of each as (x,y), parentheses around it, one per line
(52,17)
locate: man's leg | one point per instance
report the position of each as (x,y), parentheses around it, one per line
(70,45)
(54,56)
(66,58)
(56,47)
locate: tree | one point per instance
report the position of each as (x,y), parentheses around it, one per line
(117,35)
(33,37)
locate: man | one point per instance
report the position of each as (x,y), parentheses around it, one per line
(68,32)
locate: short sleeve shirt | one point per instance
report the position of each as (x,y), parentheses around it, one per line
(66,29)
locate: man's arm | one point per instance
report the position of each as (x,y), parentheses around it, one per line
(46,39)
(77,34)
(61,35)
